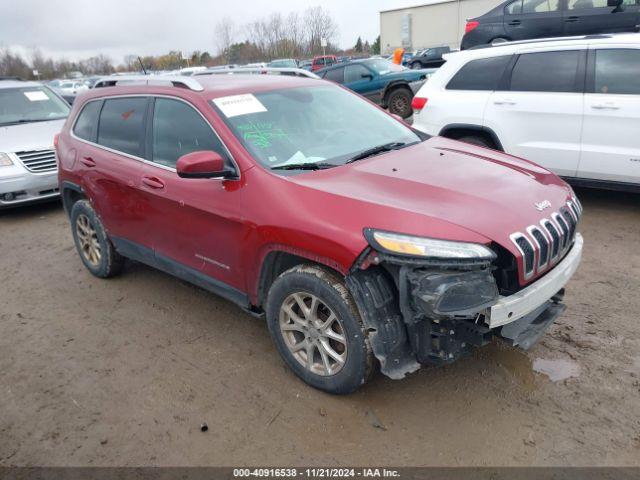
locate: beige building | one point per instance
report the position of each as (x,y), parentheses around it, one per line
(433,24)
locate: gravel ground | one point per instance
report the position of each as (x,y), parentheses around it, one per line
(125,371)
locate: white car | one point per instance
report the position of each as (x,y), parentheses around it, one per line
(571,105)
(72,87)
(31,114)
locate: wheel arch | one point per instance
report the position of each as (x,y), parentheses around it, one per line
(71,193)
(279,259)
(459,130)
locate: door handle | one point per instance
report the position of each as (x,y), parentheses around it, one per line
(88,162)
(572,19)
(515,22)
(506,101)
(605,106)
(153,182)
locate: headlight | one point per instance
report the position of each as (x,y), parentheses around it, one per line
(5,161)
(427,247)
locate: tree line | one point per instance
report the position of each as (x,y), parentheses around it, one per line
(295,35)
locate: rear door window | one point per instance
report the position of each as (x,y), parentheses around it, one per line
(122,123)
(617,71)
(178,129)
(85,127)
(335,75)
(481,74)
(546,72)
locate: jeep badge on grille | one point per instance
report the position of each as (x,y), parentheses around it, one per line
(540,206)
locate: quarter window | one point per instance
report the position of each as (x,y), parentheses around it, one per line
(617,71)
(546,72)
(177,130)
(121,124)
(481,74)
(87,120)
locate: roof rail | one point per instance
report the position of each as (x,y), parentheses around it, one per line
(296,72)
(174,81)
(542,40)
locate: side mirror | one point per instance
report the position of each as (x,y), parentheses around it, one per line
(367,75)
(203,164)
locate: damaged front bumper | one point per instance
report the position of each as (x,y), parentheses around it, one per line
(418,314)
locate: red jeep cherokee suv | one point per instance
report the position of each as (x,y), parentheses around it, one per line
(361,241)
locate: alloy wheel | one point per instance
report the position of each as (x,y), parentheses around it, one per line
(88,240)
(313,334)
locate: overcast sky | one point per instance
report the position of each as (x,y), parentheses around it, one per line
(79,29)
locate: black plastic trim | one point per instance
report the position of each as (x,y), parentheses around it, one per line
(477,128)
(147,256)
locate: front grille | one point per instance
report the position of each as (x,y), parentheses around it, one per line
(543,247)
(38,161)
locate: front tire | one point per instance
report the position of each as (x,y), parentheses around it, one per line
(318,331)
(416,66)
(399,102)
(94,247)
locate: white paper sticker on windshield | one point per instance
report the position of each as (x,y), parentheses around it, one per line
(239,105)
(36,96)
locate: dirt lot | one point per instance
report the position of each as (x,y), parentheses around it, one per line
(124,372)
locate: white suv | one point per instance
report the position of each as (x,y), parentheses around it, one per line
(572,105)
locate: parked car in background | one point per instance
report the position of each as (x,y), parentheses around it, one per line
(529,19)
(323,61)
(429,58)
(381,81)
(71,87)
(283,63)
(306,64)
(570,105)
(30,115)
(360,241)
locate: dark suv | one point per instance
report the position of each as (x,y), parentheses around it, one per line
(361,241)
(526,19)
(429,58)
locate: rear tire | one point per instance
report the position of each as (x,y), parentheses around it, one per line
(399,102)
(318,331)
(94,247)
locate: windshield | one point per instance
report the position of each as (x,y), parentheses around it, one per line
(30,104)
(383,66)
(323,125)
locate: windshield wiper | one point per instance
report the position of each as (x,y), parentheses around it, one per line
(387,147)
(304,166)
(27,120)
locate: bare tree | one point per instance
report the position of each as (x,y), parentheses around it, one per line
(319,26)
(224,35)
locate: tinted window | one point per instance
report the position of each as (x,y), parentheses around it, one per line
(354,73)
(178,129)
(87,121)
(481,74)
(618,71)
(545,72)
(335,75)
(540,6)
(587,4)
(121,124)
(514,8)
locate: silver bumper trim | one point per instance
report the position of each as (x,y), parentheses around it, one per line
(511,308)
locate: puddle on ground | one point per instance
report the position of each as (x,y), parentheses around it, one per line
(556,370)
(514,361)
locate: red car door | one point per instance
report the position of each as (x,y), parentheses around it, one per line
(111,164)
(193,223)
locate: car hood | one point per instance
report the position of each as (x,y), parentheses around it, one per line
(29,136)
(408,75)
(440,188)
